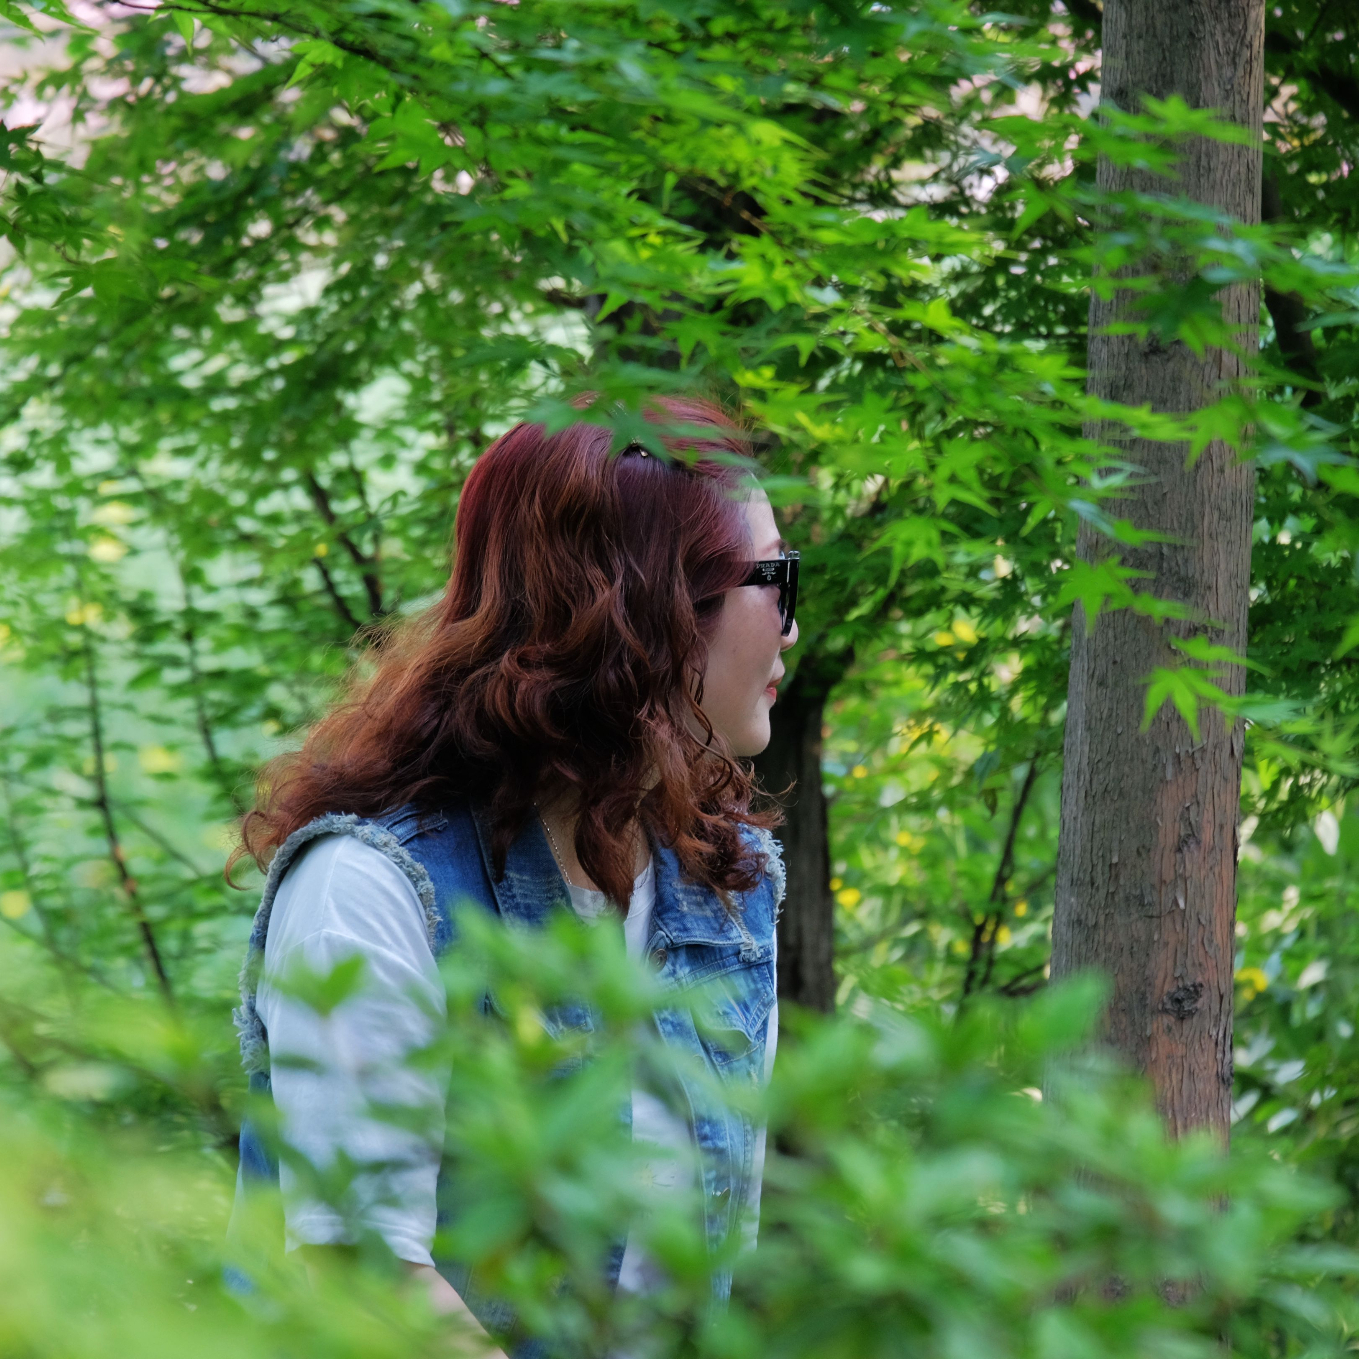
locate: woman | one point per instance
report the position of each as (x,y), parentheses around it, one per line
(564,728)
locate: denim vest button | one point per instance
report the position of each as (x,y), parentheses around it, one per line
(658,959)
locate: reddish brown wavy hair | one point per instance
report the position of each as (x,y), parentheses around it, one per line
(566,656)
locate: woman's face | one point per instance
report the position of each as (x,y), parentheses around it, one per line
(745,649)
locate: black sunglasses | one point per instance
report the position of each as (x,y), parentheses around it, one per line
(780,571)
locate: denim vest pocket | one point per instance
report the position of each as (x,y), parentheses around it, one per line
(737,996)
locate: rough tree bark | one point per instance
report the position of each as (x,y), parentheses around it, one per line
(806,928)
(1146,885)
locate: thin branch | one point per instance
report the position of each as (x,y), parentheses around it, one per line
(1016,985)
(104,807)
(981,956)
(366,563)
(190,638)
(336,598)
(1007,856)
(21,1059)
(1003,873)
(204,725)
(976,947)
(200,709)
(163,841)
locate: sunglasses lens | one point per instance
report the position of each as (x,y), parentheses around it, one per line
(783,573)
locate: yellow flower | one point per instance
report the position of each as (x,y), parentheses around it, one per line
(320,550)
(964,632)
(860,771)
(107,550)
(836,884)
(159,760)
(849,897)
(943,638)
(1003,935)
(78,615)
(116,512)
(1021,909)
(14,904)
(1253,978)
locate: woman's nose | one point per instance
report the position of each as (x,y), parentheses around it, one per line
(791,639)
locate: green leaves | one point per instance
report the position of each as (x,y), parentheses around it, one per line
(920,1185)
(312,53)
(1100,586)
(1184,686)
(1188,686)
(322,991)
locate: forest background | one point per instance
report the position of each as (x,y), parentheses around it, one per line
(274,276)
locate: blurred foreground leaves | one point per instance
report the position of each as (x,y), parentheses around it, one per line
(922,1197)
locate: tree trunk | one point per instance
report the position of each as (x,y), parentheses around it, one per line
(1146,884)
(806,928)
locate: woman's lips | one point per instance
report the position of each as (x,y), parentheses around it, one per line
(772,689)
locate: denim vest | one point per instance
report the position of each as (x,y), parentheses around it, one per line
(694,938)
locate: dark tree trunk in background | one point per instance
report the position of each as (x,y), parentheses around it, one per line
(806,928)
(1146,884)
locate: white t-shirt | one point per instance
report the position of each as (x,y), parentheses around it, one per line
(339,898)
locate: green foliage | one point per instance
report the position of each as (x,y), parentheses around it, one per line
(1295,1049)
(290,271)
(922,1194)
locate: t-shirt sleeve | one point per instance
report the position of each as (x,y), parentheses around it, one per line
(332,1073)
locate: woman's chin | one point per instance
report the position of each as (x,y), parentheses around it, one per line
(753,740)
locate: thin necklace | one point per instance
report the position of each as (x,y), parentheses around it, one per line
(552,845)
(555,848)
